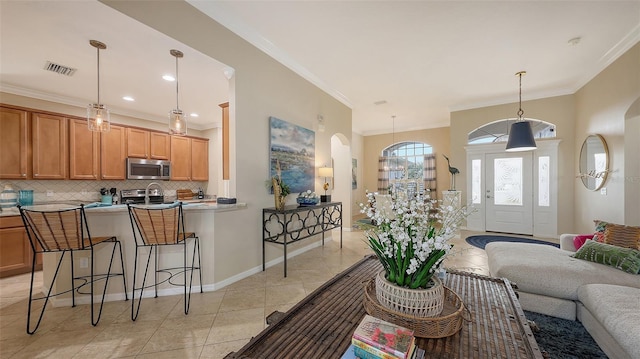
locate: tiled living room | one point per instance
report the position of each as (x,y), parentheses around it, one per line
(219,322)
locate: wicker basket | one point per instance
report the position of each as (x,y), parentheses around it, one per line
(413,302)
(448,323)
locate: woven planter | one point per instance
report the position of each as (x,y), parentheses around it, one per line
(415,302)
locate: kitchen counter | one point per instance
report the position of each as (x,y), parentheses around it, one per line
(96,207)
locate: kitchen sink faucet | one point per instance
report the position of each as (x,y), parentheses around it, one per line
(146,192)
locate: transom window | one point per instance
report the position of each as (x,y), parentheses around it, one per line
(498,131)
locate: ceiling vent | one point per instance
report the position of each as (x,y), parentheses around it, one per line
(59,69)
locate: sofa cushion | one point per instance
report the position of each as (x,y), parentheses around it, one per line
(625,259)
(600,227)
(622,236)
(546,270)
(617,308)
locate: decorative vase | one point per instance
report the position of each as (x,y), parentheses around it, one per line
(415,302)
(8,198)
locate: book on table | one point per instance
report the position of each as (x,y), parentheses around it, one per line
(393,340)
(354,352)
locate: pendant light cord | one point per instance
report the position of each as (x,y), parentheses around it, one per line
(520,111)
(98,50)
(177,80)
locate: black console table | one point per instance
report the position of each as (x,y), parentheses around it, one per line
(295,223)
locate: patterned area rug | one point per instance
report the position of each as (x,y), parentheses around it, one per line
(482,240)
(562,338)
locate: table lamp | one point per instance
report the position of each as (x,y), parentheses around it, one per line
(325,172)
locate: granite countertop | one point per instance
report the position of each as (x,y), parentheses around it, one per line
(98,207)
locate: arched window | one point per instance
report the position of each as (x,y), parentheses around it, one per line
(408,167)
(498,131)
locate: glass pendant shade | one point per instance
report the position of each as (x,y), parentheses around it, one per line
(98,118)
(521,137)
(177,122)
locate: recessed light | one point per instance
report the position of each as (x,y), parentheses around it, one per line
(575,41)
(168,78)
(128,98)
(193,114)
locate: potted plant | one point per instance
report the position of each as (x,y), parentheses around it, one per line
(411,239)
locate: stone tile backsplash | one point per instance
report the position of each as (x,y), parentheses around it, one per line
(89,191)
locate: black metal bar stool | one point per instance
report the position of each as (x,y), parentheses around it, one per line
(156,226)
(66,231)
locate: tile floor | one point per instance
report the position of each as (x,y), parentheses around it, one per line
(219,322)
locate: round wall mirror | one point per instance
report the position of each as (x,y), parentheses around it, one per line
(594,162)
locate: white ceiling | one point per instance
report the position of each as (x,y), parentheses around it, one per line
(424,58)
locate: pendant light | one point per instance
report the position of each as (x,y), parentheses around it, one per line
(521,135)
(177,118)
(98,114)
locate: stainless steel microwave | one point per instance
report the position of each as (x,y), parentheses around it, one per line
(138,168)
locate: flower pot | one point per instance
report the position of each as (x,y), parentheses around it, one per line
(416,302)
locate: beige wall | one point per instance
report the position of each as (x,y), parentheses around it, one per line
(601,106)
(261,87)
(438,138)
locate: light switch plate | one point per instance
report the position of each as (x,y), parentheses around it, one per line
(603,191)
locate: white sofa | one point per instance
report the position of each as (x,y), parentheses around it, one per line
(605,299)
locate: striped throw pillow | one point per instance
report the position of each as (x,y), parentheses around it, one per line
(622,236)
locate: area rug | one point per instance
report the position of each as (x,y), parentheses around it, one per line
(481,241)
(363,224)
(562,338)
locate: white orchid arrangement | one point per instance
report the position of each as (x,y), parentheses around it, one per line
(411,236)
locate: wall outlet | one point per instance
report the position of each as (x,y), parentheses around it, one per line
(49,193)
(84,262)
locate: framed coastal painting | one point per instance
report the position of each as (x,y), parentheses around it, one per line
(354,173)
(294,147)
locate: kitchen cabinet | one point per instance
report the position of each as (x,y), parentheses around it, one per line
(225,140)
(148,144)
(199,159)
(113,153)
(159,146)
(15,250)
(49,146)
(84,151)
(189,159)
(14,143)
(180,158)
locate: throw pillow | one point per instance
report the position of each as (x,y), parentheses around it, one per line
(600,227)
(579,240)
(625,259)
(622,236)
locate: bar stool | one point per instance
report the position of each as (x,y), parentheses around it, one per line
(162,225)
(67,231)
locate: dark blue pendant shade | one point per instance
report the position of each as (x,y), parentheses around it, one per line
(521,137)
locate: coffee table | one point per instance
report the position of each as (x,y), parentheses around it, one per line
(321,325)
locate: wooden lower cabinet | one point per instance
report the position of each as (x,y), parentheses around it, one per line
(15,250)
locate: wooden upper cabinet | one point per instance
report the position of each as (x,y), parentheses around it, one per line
(113,150)
(180,158)
(84,151)
(49,146)
(137,143)
(160,146)
(199,160)
(14,143)
(225,140)
(148,144)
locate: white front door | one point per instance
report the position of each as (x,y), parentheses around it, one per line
(509,192)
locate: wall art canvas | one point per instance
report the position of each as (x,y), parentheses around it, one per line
(294,147)
(354,173)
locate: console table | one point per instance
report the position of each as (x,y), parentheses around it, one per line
(296,223)
(320,326)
